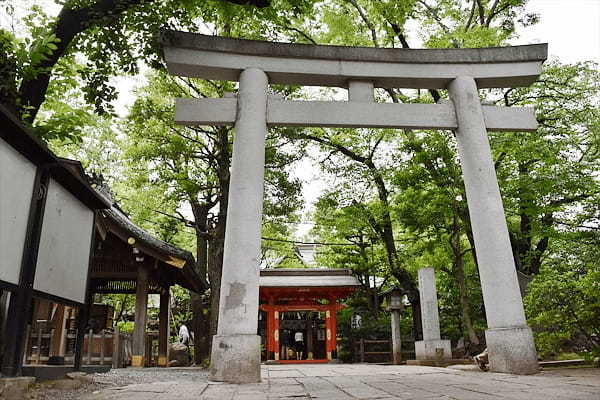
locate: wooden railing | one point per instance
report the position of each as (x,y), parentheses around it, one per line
(104,348)
(384,351)
(363,344)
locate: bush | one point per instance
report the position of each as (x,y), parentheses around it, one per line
(563,304)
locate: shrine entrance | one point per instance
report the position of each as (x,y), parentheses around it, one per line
(300,307)
(302,336)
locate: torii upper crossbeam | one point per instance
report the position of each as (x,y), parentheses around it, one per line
(256,64)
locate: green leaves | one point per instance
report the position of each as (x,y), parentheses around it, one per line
(563,302)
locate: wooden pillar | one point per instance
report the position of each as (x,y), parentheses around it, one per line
(334,327)
(329,336)
(163,329)
(138,358)
(58,324)
(309,337)
(90,348)
(63,337)
(276,344)
(116,350)
(83,316)
(21,299)
(270,339)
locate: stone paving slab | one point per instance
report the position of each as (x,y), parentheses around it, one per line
(372,382)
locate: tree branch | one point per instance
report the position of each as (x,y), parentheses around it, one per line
(366,20)
(471,15)
(69,23)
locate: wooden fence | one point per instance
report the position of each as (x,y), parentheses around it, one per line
(380,351)
(104,348)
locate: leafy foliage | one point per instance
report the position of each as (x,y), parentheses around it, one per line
(563,303)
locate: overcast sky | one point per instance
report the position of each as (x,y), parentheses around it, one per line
(570,27)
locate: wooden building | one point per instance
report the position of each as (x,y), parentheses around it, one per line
(127,259)
(298,312)
(47,216)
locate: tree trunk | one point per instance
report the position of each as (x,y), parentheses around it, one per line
(416,319)
(71,21)
(458,270)
(199,319)
(201,328)
(217,244)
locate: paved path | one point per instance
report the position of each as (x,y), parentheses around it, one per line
(361,381)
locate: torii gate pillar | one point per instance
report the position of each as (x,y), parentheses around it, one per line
(508,337)
(235,354)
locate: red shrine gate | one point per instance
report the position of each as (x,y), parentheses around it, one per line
(302,303)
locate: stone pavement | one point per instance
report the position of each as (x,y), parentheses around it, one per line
(363,381)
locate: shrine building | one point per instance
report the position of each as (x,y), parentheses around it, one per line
(298,307)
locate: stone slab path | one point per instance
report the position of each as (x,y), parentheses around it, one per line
(363,381)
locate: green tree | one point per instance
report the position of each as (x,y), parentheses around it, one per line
(191,166)
(563,303)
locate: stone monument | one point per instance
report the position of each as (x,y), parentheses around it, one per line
(432,347)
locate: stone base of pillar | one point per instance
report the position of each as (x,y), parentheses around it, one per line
(433,350)
(235,359)
(137,361)
(512,350)
(163,361)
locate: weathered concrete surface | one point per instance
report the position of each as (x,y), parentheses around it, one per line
(429,304)
(235,359)
(444,363)
(433,349)
(354,113)
(509,340)
(513,350)
(236,343)
(366,381)
(211,57)
(361,91)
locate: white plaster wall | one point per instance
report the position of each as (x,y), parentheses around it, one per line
(16,186)
(63,258)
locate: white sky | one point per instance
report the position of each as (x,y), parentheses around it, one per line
(570,27)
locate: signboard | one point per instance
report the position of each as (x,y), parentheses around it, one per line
(63,258)
(17,175)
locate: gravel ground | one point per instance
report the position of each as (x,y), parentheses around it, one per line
(114,378)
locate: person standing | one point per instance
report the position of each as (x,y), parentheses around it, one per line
(299,342)
(184,338)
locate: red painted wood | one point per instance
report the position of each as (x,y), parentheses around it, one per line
(276,345)
(270,331)
(323,361)
(302,299)
(333,327)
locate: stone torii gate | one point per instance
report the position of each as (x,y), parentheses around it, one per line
(256,64)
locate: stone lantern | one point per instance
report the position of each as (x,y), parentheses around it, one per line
(395,306)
